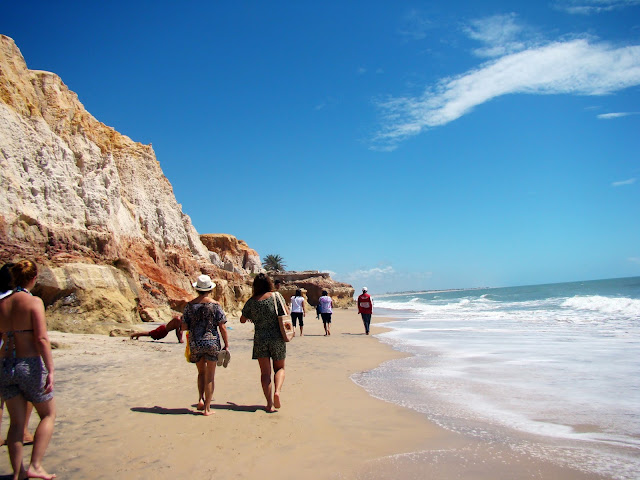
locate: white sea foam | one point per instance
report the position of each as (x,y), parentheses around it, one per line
(557,361)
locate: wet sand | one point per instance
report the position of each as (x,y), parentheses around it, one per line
(127,409)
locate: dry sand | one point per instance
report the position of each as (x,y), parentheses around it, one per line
(126,409)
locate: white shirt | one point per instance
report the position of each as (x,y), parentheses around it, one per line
(296,304)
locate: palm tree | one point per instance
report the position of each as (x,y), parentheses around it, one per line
(274,263)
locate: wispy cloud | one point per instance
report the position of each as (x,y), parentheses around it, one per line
(588,7)
(621,183)
(415,25)
(577,67)
(376,272)
(500,33)
(634,260)
(609,116)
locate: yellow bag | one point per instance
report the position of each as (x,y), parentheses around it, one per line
(187,350)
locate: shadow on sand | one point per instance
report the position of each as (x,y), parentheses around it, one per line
(237,408)
(165,411)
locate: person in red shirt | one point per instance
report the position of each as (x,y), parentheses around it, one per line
(365,308)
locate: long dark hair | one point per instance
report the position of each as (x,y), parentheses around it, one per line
(262,284)
(298,293)
(6,279)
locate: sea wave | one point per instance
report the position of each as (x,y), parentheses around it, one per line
(619,306)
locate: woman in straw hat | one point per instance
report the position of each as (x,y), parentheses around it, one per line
(203,317)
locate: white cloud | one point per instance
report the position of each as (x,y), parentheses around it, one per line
(376,272)
(634,260)
(587,7)
(609,116)
(576,67)
(500,33)
(621,183)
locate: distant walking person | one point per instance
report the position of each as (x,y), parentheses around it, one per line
(263,309)
(26,370)
(365,308)
(298,310)
(326,309)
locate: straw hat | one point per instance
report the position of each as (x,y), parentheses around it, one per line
(204,284)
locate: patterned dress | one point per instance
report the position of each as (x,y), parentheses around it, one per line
(202,321)
(267,339)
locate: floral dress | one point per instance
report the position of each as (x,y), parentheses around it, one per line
(202,321)
(267,339)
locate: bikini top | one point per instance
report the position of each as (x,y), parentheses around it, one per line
(10,333)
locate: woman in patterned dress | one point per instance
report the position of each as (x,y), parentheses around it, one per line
(203,317)
(263,309)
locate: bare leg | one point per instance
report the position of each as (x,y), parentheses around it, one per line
(278,380)
(27,437)
(300,330)
(209,385)
(47,413)
(17,407)
(265,380)
(200,366)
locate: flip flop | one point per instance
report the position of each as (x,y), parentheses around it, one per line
(224,357)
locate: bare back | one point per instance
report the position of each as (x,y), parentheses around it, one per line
(23,315)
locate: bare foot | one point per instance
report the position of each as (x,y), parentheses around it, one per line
(276,399)
(27,438)
(200,405)
(39,473)
(206,412)
(269,409)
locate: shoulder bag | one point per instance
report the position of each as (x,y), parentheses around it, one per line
(286,325)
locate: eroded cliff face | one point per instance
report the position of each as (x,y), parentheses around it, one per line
(80,197)
(96,212)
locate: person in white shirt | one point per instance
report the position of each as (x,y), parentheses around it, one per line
(326,309)
(298,310)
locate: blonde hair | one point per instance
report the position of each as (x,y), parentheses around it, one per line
(23,272)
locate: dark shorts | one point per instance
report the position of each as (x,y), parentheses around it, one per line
(297,316)
(274,348)
(326,317)
(24,376)
(159,332)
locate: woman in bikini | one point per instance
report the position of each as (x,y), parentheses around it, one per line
(26,370)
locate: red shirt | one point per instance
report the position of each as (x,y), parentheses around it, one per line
(365,304)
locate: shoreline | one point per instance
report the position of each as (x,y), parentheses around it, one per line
(126,408)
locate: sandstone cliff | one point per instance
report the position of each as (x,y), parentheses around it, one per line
(95,210)
(312,283)
(89,203)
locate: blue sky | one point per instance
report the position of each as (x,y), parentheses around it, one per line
(399,145)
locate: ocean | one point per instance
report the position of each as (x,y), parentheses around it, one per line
(551,370)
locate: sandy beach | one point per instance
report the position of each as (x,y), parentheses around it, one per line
(126,409)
